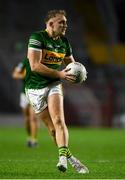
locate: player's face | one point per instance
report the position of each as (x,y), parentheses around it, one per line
(59,25)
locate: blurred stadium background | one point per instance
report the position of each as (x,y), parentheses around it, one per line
(96,30)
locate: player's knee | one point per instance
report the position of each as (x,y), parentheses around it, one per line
(59,122)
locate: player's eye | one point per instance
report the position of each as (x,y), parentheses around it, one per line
(63,22)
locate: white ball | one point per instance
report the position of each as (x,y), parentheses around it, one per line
(78,70)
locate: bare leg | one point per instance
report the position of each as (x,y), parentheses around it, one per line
(33,124)
(45,117)
(27,119)
(55,106)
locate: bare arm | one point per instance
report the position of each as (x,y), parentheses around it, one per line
(16,74)
(35,59)
(68,60)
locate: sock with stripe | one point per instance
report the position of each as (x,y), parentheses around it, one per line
(63,151)
(69,154)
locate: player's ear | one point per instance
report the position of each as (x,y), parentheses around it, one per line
(51,23)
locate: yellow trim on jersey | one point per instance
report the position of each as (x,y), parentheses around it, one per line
(51,57)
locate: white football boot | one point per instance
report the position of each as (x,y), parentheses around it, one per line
(77,165)
(62,164)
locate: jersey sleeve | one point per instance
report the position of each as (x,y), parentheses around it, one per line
(35,42)
(68,49)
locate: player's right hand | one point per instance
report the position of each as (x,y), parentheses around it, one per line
(66,75)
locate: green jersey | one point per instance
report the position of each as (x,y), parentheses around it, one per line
(53,54)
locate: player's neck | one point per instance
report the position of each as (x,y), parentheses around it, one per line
(52,34)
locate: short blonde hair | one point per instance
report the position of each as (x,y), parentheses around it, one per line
(53,13)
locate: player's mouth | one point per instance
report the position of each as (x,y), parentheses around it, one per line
(64,30)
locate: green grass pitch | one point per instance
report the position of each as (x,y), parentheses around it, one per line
(101,150)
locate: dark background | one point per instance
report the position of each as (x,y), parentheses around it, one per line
(96,31)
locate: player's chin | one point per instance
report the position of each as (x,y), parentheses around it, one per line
(63,33)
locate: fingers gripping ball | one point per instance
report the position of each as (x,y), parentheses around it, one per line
(78,70)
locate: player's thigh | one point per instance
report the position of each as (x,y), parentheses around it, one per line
(55,106)
(45,117)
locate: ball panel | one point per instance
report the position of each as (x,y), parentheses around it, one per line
(78,70)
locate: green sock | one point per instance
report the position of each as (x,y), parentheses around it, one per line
(63,151)
(69,154)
